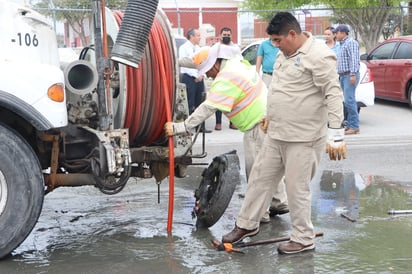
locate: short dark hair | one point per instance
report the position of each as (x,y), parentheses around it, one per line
(190,32)
(282,23)
(225,29)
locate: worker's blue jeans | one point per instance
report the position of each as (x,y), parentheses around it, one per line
(350,100)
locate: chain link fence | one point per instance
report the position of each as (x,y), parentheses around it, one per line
(251,24)
(316,20)
(386,22)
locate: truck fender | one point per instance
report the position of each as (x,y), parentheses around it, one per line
(24,110)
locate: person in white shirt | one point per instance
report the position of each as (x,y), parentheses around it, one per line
(226,39)
(195,86)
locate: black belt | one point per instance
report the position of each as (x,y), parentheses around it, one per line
(270,73)
(343,73)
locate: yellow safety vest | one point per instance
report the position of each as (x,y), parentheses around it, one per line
(239,92)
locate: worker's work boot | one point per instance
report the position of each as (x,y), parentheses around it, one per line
(292,247)
(238,234)
(273,211)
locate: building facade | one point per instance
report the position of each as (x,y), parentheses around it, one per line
(208,16)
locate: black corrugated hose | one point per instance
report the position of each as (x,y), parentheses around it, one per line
(134,31)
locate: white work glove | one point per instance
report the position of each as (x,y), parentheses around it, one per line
(172,129)
(335,146)
(264,123)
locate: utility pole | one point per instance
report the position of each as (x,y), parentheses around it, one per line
(178,18)
(53,8)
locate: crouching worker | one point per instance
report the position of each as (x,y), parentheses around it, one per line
(239,93)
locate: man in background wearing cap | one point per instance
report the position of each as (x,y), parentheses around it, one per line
(239,93)
(348,70)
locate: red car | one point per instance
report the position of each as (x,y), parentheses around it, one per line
(391,65)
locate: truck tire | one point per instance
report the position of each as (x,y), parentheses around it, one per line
(216,189)
(21,190)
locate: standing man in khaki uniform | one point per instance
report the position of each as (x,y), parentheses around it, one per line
(304,99)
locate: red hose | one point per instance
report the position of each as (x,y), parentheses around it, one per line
(162,60)
(150,90)
(145,106)
(162,65)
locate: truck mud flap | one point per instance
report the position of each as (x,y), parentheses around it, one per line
(216,189)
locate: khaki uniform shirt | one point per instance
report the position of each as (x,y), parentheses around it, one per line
(305,96)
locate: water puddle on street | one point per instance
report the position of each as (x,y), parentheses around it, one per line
(84,231)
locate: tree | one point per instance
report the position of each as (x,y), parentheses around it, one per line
(74,12)
(366,17)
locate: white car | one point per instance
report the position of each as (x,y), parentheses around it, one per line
(365,91)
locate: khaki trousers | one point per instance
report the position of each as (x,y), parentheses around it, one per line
(252,142)
(298,162)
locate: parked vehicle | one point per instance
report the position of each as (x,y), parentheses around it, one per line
(391,65)
(73,119)
(365,92)
(250,52)
(179,40)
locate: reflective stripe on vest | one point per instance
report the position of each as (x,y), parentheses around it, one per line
(243,85)
(240,93)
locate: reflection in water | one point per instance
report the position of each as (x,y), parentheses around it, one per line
(87,232)
(340,193)
(376,242)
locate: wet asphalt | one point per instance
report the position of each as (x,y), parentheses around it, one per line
(82,230)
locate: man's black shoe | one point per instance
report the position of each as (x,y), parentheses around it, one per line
(278,211)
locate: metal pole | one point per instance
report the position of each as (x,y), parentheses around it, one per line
(393,211)
(53,8)
(401,24)
(178,19)
(101,65)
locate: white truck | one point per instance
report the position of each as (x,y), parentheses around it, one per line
(91,120)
